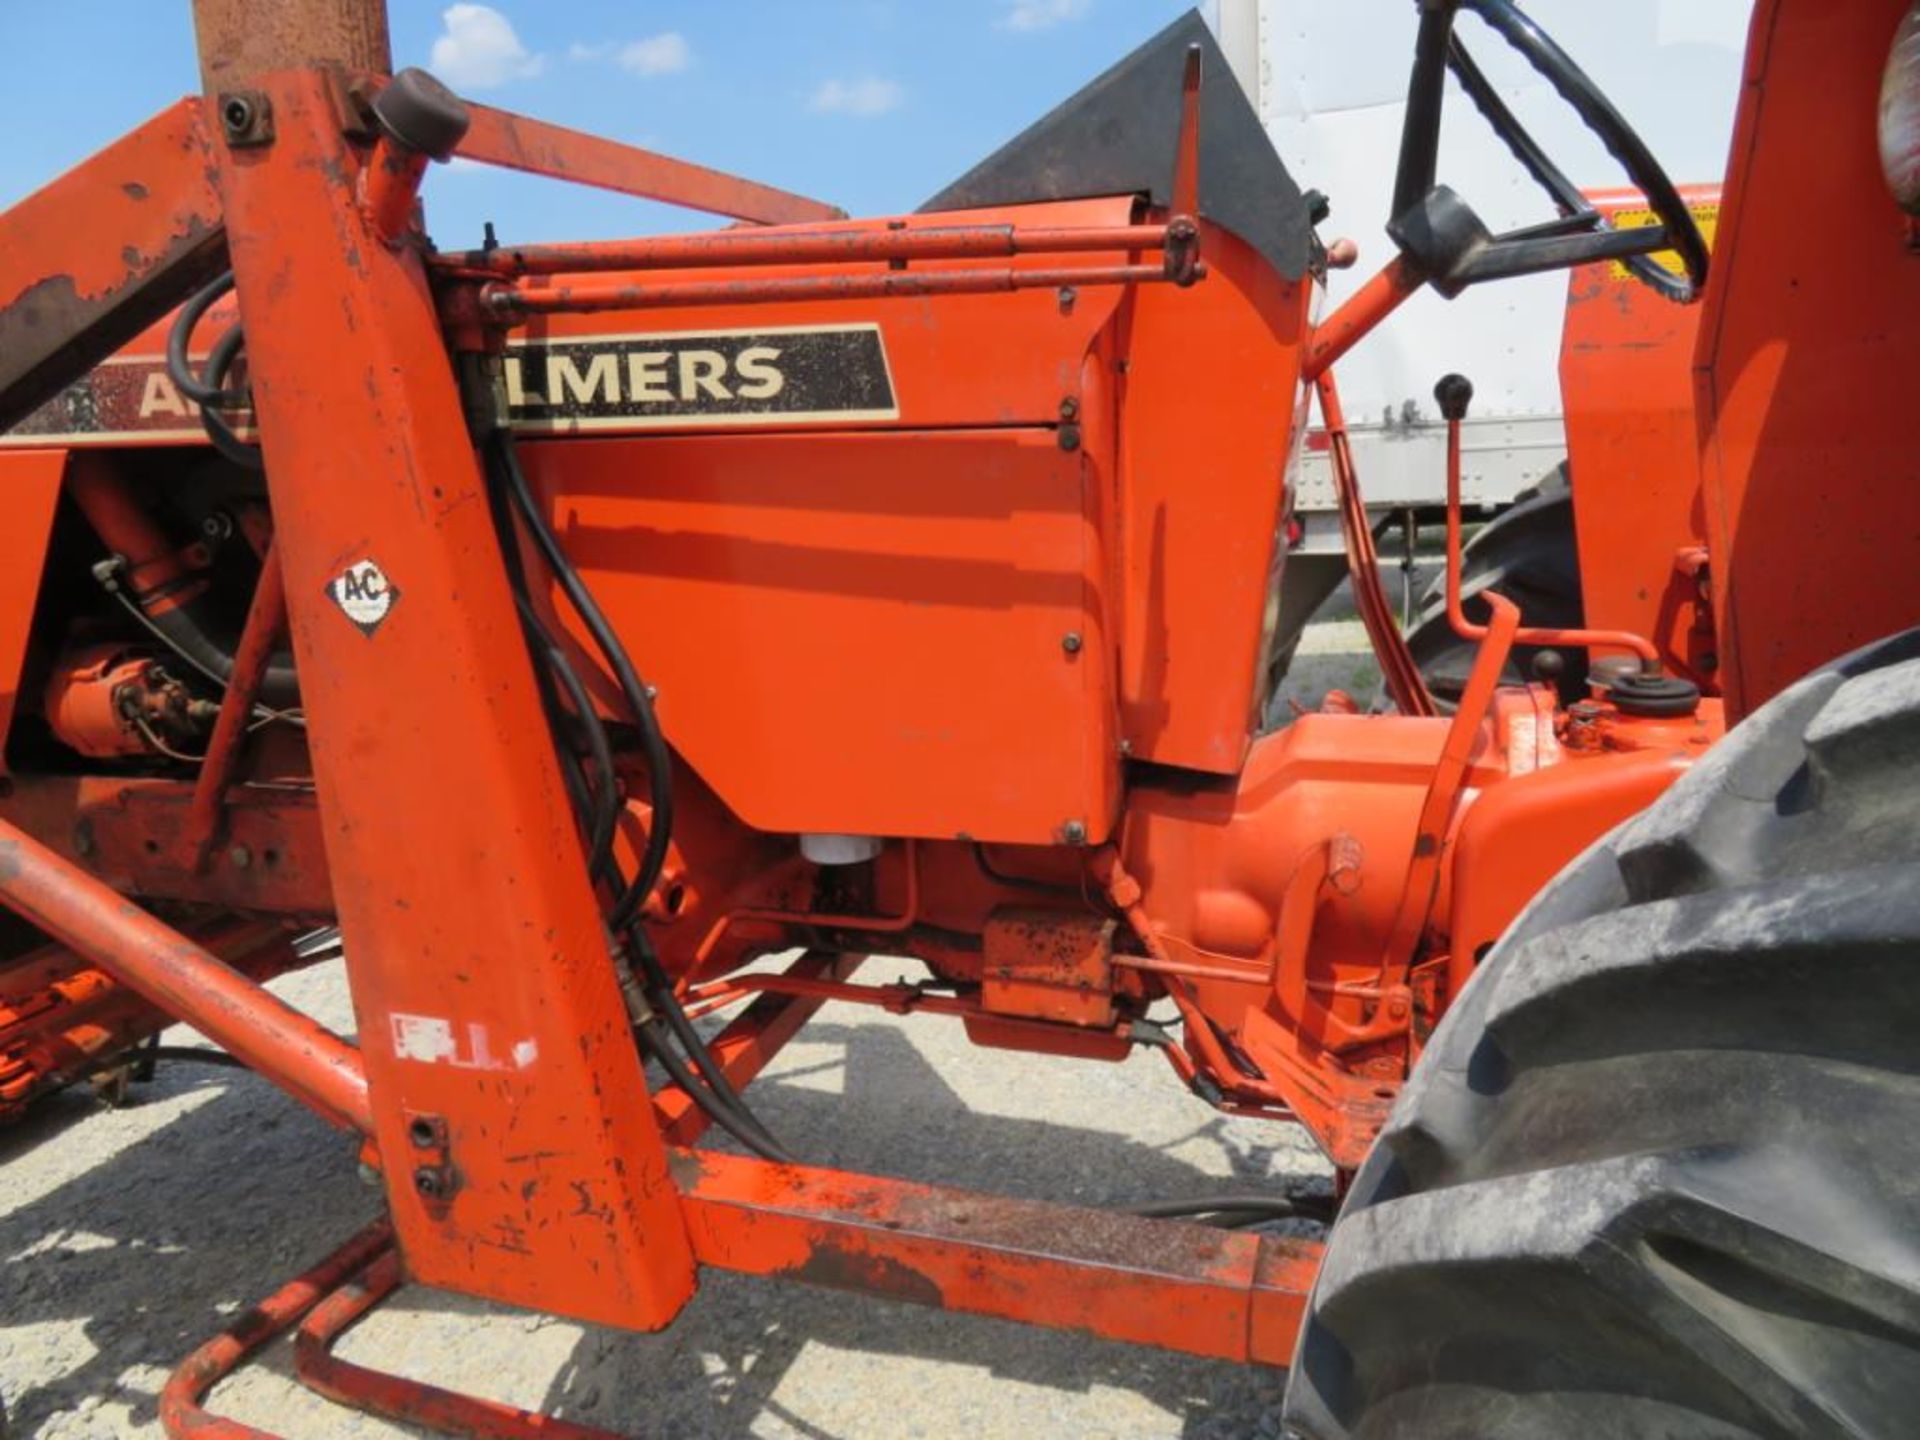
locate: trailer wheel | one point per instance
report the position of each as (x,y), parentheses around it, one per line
(1658,1172)
(1529,555)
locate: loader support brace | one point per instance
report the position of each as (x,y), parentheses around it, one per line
(308,1061)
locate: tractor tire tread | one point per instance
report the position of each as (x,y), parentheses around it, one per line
(1655,1174)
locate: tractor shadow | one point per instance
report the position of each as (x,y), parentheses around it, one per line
(126,1253)
(132,1236)
(770,1351)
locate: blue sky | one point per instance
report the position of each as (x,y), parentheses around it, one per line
(871,104)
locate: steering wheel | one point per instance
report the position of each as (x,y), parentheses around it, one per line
(1437,230)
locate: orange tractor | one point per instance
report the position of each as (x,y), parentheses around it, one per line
(573,625)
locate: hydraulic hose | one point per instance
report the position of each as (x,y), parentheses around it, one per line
(169,597)
(661,996)
(668,1035)
(1233,1211)
(748,1131)
(602,801)
(179,362)
(632,689)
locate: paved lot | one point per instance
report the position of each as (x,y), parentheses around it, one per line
(128,1236)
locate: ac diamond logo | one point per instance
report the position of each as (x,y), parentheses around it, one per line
(364,594)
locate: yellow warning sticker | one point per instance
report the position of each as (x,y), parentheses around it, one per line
(1706,214)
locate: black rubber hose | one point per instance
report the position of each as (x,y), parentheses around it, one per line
(225,439)
(654,1040)
(717,1096)
(604,799)
(1271,1207)
(188,629)
(659,761)
(661,996)
(179,364)
(604,802)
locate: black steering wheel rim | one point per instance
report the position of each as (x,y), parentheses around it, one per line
(1581,234)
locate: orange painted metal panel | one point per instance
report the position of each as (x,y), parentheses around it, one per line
(103,250)
(860,633)
(133,831)
(1809,359)
(1626,376)
(1208,399)
(31,482)
(949,357)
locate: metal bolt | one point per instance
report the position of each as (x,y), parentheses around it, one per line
(1071,642)
(241,857)
(429,1182)
(1074,832)
(1067,296)
(246,118)
(421,1132)
(1069,408)
(368,1175)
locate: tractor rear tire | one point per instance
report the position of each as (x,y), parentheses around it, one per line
(1658,1172)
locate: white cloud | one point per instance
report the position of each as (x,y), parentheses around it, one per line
(579,52)
(660,54)
(479,50)
(1042,14)
(868,95)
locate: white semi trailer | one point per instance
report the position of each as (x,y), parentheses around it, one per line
(1314,73)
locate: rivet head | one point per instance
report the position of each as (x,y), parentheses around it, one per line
(241,857)
(1071,642)
(1074,832)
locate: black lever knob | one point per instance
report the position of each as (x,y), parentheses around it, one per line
(1453,393)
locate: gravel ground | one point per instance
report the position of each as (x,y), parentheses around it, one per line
(128,1236)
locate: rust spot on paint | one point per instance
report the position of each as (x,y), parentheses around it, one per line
(839,1269)
(135,190)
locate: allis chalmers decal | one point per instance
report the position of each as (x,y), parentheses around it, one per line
(739,377)
(685,379)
